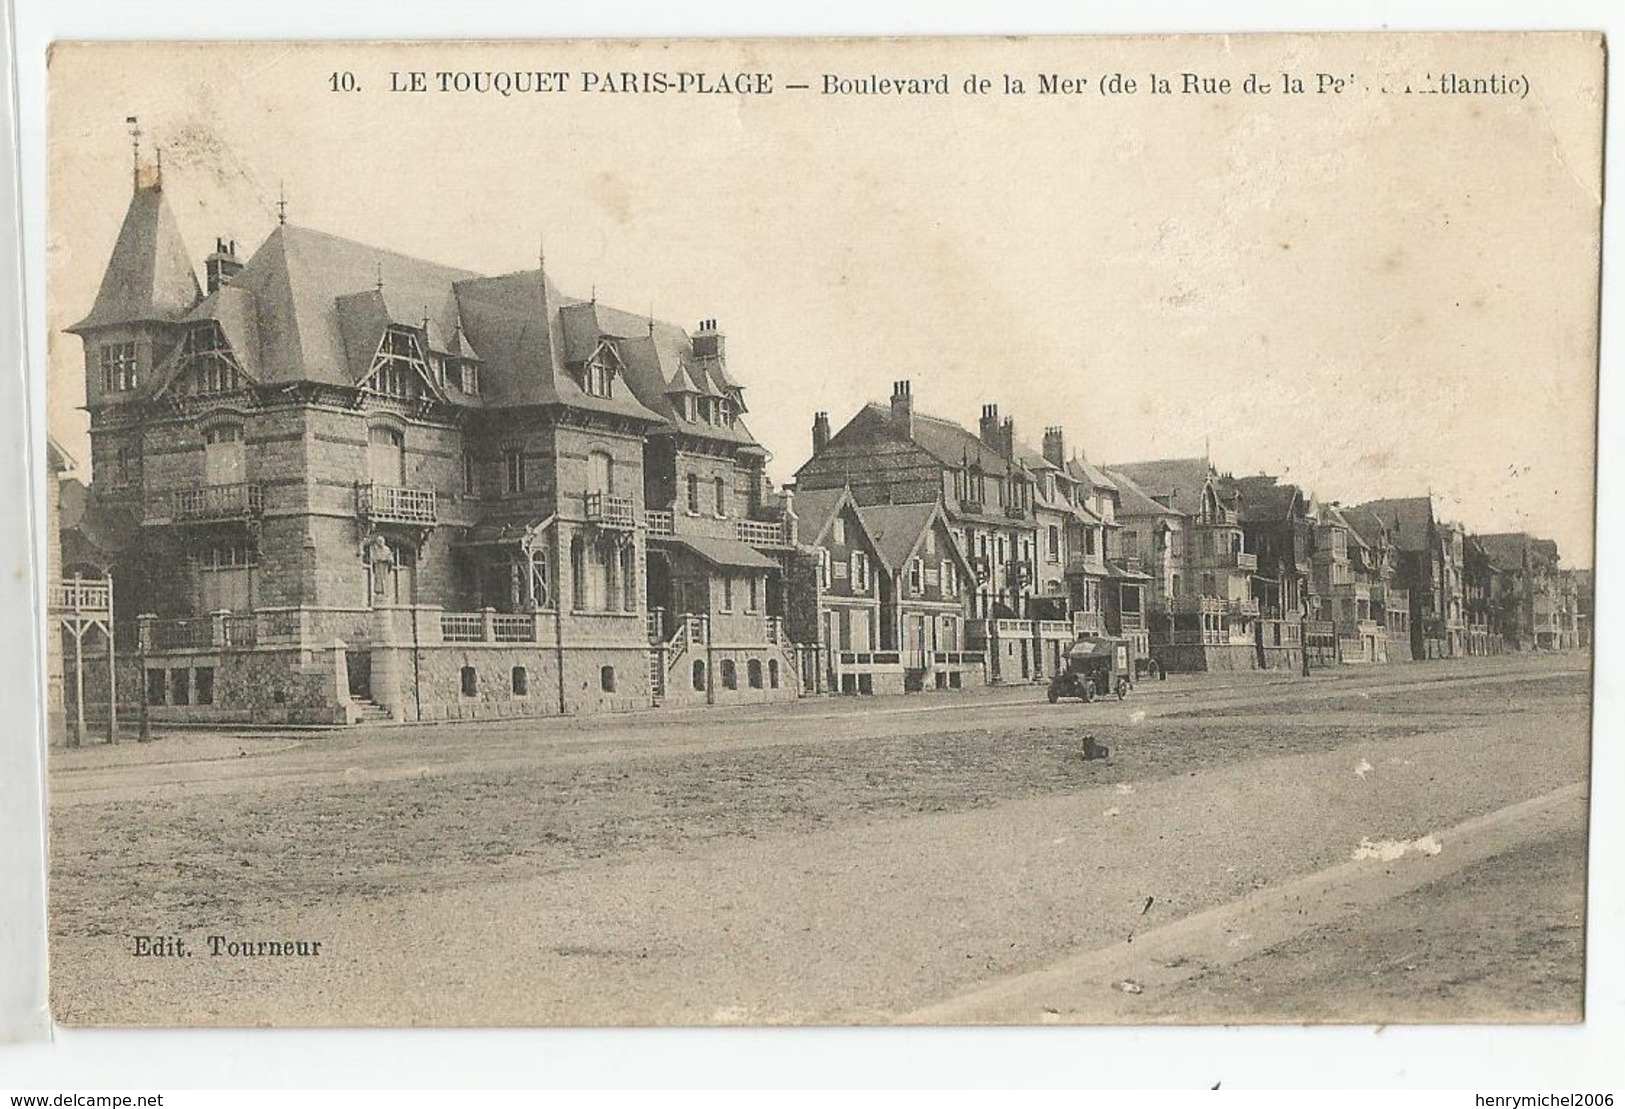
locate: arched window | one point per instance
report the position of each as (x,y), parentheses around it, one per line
(629,578)
(386,455)
(720,487)
(753,673)
(600,473)
(730,674)
(699,675)
(223,454)
(694,494)
(773,672)
(578,574)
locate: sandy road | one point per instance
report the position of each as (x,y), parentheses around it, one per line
(289,760)
(792,898)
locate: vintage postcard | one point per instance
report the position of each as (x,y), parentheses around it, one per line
(936,531)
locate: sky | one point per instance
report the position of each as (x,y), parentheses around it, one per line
(1366,292)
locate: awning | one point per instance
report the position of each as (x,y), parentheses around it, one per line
(502,533)
(727,552)
(1116,571)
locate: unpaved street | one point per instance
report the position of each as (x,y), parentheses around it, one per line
(1253,849)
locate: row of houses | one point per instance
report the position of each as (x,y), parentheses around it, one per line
(332,482)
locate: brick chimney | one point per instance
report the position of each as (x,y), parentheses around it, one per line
(709,342)
(902,408)
(988,429)
(1007,438)
(221,266)
(1055,447)
(820,431)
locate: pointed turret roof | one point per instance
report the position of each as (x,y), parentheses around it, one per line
(150,275)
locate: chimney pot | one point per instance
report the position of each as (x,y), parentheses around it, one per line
(902,408)
(820,431)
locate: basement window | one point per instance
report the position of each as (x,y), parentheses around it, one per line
(203,684)
(471,682)
(521,682)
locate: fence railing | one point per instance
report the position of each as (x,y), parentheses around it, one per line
(394,504)
(217,502)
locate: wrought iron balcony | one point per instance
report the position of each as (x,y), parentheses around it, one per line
(391,504)
(236,501)
(610,510)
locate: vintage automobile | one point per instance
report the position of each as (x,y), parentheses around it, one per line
(1096,665)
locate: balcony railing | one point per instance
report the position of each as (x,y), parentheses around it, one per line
(392,504)
(80,595)
(1087,623)
(462,627)
(1243,608)
(756,533)
(235,501)
(610,510)
(666,524)
(869,658)
(774,630)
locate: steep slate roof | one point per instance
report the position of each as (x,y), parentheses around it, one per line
(1338,516)
(1364,523)
(1185,478)
(1082,471)
(1407,519)
(1134,501)
(947,442)
(1505,550)
(660,364)
(149,276)
(1264,499)
(895,531)
(815,508)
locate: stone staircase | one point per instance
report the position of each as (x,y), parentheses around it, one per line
(364,711)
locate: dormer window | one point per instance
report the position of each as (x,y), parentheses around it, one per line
(598,374)
(207,360)
(118,367)
(398,367)
(469,379)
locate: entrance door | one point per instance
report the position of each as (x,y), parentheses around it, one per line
(358,665)
(915,641)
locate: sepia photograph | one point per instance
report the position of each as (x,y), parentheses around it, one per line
(1025,531)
